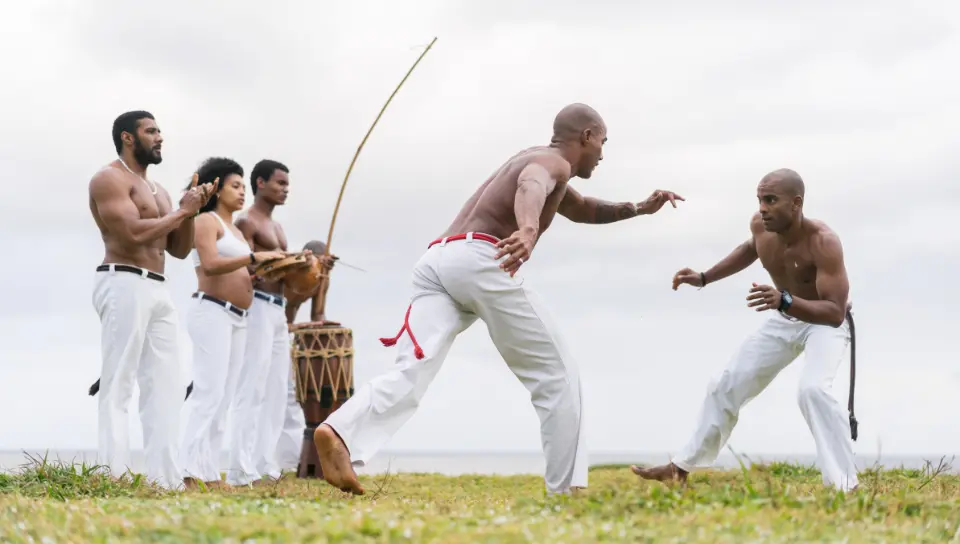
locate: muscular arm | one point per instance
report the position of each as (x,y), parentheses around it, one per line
(585,209)
(741,257)
(534,184)
(211,262)
(120,214)
(832,285)
(180,241)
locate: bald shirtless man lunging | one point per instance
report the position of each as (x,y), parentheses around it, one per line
(471,272)
(811,315)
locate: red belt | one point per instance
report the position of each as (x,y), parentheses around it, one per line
(476,236)
(417,350)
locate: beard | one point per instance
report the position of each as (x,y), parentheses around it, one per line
(145,156)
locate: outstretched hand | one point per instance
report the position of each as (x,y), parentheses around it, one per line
(687,276)
(656,200)
(518,246)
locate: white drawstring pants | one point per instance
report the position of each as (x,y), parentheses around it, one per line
(219,338)
(455,283)
(258,410)
(760,358)
(138,342)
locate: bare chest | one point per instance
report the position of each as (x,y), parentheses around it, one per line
(791,267)
(270,237)
(149,205)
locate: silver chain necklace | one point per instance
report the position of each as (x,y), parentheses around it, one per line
(153,186)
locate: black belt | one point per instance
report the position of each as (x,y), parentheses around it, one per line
(230,307)
(853,375)
(133,269)
(273,299)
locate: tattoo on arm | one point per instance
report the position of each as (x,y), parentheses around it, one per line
(581,209)
(608,212)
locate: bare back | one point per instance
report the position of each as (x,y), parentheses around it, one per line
(811,268)
(491,208)
(115,196)
(263,234)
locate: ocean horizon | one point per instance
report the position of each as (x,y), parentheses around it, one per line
(455,463)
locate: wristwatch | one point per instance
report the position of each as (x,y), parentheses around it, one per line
(786,299)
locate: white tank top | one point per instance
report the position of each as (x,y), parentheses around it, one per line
(228,245)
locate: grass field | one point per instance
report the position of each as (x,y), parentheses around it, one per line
(771,503)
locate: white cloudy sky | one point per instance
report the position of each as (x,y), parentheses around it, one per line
(861,99)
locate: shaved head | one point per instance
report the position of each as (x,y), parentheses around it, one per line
(569,124)
(787,180)
(315,246)
(579,131)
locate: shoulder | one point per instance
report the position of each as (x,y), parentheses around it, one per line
(107,180)
(824,241)
(756,224)
(556,166)
(205,220)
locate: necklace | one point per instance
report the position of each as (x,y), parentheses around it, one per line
(153,186)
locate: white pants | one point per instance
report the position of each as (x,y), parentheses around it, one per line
(291,435)
(760,358)
(138,341)
(219,338)
(258,409)
(454,284)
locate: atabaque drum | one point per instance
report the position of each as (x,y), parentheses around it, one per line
(323,371)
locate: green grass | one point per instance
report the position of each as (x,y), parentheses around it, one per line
(52,502)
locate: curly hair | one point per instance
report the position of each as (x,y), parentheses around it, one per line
(213,168)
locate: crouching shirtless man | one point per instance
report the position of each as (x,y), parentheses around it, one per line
(805,260)
(471,272)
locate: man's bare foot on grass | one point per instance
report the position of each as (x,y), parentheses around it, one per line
(669,473)
(335,461)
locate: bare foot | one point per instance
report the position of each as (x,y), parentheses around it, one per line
(662,473)
(335,461)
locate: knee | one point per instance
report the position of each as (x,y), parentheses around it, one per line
(810,391)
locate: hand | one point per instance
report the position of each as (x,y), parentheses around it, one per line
(656,200)
(518,245)
(328,260)
(688,276)
(208,190)
(764,297)
(264,256)
(195,197)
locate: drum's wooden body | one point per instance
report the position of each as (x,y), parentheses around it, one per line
(322,358)
(304,280)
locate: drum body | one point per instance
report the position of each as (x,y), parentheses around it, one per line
(322,358)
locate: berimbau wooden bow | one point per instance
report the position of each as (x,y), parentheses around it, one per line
(324,278)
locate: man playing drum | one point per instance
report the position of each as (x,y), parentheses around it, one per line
(471,272)
(291,437)
(805,260)
(138,319)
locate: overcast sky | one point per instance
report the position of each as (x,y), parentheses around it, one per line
(860,99)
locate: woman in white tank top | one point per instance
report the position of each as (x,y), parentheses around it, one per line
(217,320)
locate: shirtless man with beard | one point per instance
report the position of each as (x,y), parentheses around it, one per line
(471,272)
(139,323)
